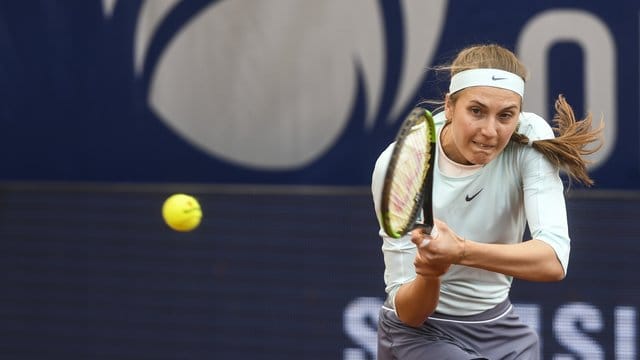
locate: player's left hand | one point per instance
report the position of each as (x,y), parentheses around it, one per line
(442,247)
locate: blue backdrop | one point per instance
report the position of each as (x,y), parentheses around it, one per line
(175,91)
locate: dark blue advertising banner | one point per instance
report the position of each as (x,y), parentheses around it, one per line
(286,91)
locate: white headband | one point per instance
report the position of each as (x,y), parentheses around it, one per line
(487,77)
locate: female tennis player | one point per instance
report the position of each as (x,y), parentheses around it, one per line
(496,171)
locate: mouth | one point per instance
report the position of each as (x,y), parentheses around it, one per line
(482,145)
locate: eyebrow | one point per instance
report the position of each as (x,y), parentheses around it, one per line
(485,106)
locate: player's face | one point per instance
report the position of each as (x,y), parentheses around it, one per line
(482,121)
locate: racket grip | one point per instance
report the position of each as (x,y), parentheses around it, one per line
(425,228)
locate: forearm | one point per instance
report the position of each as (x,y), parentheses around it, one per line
(416,300)
(532,260)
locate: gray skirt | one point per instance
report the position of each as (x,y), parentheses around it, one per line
(494,334)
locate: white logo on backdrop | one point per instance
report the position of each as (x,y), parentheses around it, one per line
(272,84)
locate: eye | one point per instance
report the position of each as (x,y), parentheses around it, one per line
(506,116)
(475,110)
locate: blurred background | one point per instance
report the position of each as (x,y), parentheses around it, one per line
(272,114)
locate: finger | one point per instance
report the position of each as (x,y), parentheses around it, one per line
(417,238)
(417,235)
(420,228)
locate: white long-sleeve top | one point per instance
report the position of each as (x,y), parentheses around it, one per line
(517,188)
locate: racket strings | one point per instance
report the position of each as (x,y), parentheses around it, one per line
(410,172)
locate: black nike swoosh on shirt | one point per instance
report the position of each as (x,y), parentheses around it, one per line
(469,198)
(495,78)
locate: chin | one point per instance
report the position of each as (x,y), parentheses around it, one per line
(481,160)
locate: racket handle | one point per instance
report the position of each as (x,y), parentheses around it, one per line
(425,228)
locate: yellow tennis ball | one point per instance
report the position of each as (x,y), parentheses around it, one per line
(182,212)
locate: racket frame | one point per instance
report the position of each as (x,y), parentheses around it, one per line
(421,202)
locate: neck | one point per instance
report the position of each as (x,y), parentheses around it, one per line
(449,146)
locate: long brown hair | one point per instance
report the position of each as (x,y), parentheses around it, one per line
(574,139)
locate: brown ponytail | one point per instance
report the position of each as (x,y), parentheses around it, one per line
(568,148)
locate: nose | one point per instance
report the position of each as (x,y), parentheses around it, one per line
(489,127)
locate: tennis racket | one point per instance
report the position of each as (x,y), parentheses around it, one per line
(408,182)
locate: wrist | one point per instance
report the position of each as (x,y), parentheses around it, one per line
(463,250)
(431,273)
(429,276)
